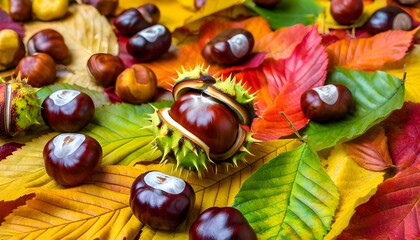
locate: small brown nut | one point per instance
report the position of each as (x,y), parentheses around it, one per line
(136,84)
(104,7)
(39,69)
(51,42)
(12,49)
(105,68)
(20,10)
(47,10)
(346,12)
(133,20)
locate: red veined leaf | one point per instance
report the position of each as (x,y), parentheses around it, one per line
(370,53)
(7,23)
(370,150)
(7,207)
(8,149)
(282,82)
(392,213)
(403,132)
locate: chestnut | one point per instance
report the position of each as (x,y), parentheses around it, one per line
(39,69)
(161,201)
(209,120)
(132,20)
(229,47)
(51,42)
(12,49)
(20,10)
(67,110)
(221,223)
(71,158)
(266,3)
(326,103)
(150,43)
(104,68)
(346,12)
(136,84)
(387,18)
(104,7)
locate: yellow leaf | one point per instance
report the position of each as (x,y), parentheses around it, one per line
(217,189)
(98,210)
(85,32)
(355,185)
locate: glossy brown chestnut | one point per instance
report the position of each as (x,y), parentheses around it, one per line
(221,223)
(266,3)
(150,43)
(104,7)
(39,69)
(133,20)
(208,119)
(136,84)
(105,68)
(387,18)
(71,158)
(327,103)
(51,42)
(12,49)
(229,47)
(161,201)
(20,10)
(67,110)
(346,12)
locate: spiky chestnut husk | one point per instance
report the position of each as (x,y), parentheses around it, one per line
(178,143)
(19,107)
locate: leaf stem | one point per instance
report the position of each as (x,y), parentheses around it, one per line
(303,139)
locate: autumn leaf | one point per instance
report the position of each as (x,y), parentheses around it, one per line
(402,130)
(355,186)
(7,207)
(372,53)
(370,150)
(375,96)
(7,23)
(8,148)
(290,197)
(392,213)
(280,83)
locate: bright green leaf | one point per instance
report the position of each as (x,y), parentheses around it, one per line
(375,96)
(288,12)
(290,197)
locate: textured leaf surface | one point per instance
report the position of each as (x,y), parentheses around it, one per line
(392,213)
(85,32)
(280,83)
(370,150)
(291,197)
(120,129)
(355,185)
(370,53)
(288,12)
(375,96)
(99,209)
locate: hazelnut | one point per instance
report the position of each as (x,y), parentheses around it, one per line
(39,69)
(136,84)
(50,42)
(47,10)
(105,68)
(20,10)
(12,49)
(104,7)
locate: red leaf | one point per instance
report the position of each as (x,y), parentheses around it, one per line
(403,132)
(370,150)
(280,83)
(8,148)
(8,206)
(392,213)
(7,23)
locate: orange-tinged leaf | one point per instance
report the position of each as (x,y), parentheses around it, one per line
(283,83)
(372,53)
(355,185)
(392,213)
(370,150)
(99,210)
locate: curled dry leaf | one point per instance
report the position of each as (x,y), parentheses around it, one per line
(370,150)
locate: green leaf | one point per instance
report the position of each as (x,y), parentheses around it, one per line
(288,12)
(375,96)
(290,197)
